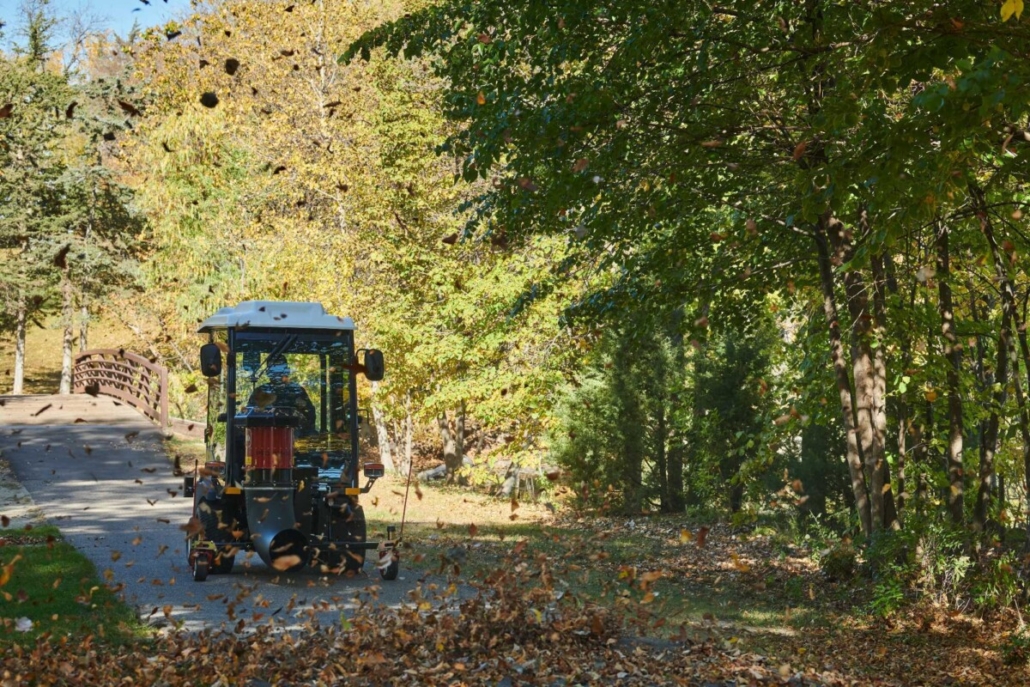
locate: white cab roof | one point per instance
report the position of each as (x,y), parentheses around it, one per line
(276,315)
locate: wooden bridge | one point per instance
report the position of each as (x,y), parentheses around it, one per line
(125,376)
(116,381)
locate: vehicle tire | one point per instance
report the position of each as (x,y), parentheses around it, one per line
(355,529)
(223,563)
(200,568)
(390,572)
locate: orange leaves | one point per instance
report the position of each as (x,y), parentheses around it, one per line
(192,528)
(799,150)
(480,98)
(8,570)
(284,563)
(579,165)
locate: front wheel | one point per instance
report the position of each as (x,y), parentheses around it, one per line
(389,572)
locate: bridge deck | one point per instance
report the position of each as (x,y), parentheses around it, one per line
(42,409)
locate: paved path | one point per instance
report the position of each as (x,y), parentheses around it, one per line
(96,469)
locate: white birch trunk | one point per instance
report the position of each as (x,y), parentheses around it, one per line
(382,434)
(67,314)
(19,352)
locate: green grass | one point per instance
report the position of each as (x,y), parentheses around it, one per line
(57,588)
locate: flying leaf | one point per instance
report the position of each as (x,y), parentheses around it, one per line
(129,108)
(231,66)
(480,98)
(1011,7)
(284,563)
(209,99)
(61,259)
(799,150)
(193,527)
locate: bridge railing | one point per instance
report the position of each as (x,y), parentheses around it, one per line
(126,376)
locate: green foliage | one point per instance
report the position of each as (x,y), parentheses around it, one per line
(888,595)
(821,469)
(617,424)
(1016,648)
(731,403)
(995,584)
(839,563)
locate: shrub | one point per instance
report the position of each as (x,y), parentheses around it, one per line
(839,562)
(1015,650)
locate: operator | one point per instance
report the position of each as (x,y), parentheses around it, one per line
(282,392)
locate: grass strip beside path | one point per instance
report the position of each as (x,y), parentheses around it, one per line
(48,582)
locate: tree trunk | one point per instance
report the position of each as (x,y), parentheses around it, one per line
(1008,307)
(1024,412)
(382,433)
(83,327)
(631,426)
(451,457)
(19,350)
(865,371)
(409,435)
(660,459)
(890,511)
(677,449)
(953,352)
(68,338)
(840,368)
(459,434)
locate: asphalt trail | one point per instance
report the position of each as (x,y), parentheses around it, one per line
(98,471)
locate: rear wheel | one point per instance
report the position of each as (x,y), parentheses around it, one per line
(353,556)
(350,526)
(208,512)
(224,562)
(200,568)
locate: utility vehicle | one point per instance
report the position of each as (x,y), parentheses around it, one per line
(283,470)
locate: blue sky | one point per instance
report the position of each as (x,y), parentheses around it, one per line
(116,15)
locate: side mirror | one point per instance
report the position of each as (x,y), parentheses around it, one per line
(210,360)
(374,366)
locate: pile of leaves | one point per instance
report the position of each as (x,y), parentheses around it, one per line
(525,622)
(519,625)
